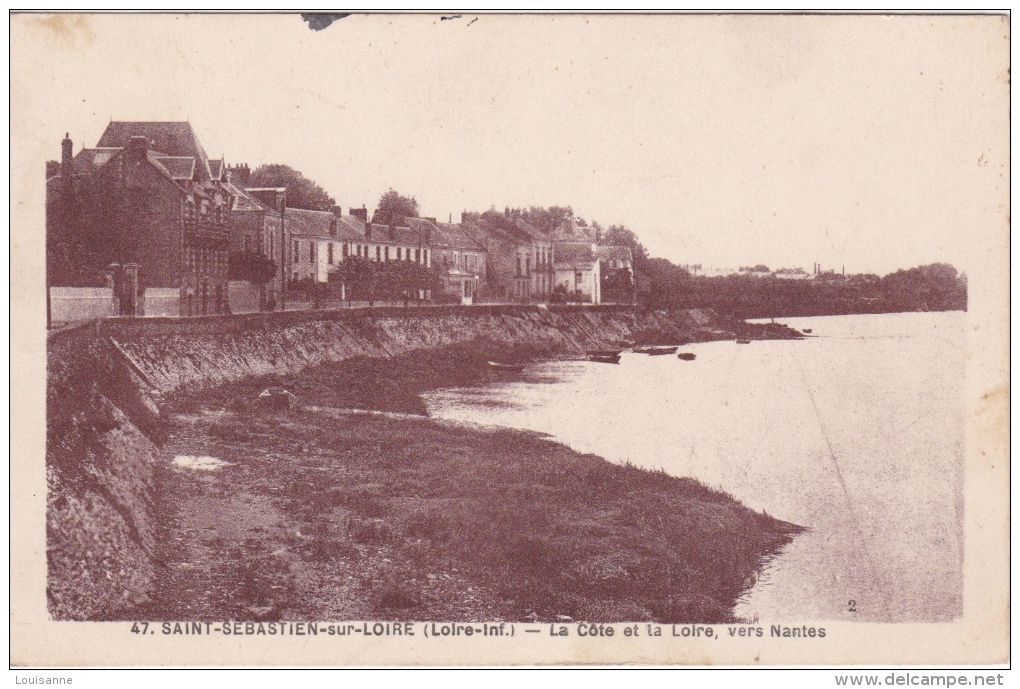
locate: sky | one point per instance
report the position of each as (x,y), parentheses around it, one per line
(871,143)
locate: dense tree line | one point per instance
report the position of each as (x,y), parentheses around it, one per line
(301,191)
(361,279)
(663,284)
(935,287)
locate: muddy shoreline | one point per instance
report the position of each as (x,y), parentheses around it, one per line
(331,511)
(332,514)
(354,505)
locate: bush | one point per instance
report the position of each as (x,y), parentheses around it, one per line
(445,298)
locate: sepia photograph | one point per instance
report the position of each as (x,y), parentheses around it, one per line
(506,339)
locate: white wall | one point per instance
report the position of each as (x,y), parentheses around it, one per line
(591,282)
(162,301)
(74,304)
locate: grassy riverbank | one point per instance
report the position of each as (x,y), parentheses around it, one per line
(348,515)
(329,512)
(325,512)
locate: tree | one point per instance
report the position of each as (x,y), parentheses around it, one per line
(256,268)
(547,219)
(620,279)
(393,208)
(314,291)
(301,191)
(620,235)
(359,278)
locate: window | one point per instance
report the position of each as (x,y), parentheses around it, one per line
(399,253)
(577,278)
(311,251)
(296,253)
(417,255)
(247,243)
(467,288)
(378,253)
(519,265)
(330,253)
(347,249)
(387,254)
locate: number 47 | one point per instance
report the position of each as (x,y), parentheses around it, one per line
(139,627)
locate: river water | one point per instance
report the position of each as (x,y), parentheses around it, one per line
(856,434)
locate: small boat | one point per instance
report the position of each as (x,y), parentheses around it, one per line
(743,342)
(656,351)
(507,368)
(806,330)
(685,356)
(603,352)
(605,358)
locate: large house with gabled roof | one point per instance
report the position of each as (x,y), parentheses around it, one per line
(460,259)
(519,256)
(145,211)
(578,271)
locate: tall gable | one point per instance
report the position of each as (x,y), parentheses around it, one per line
(574,253)
(172,139)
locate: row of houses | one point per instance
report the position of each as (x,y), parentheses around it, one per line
(147,214)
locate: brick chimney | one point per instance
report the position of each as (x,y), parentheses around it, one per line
(360,213)
(66,157)
(66,163)
(239,174)
(137,147)
(67,171)
(423,230)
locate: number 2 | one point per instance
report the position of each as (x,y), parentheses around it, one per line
(852,605)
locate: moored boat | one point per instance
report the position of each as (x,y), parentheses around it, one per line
(656,351)
(685,356)
(605,358)
(743,342)
(603,352)
(806,330)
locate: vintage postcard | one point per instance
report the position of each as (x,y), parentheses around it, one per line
(478,339)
